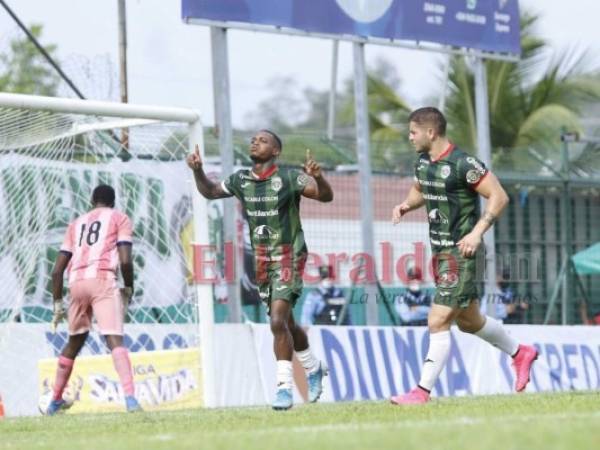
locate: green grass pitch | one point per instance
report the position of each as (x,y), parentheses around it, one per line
(528,421)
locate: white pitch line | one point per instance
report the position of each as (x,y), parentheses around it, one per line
(163,437)
(465,420)
(374,426)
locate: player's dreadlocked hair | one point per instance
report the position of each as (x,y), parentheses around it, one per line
(104,194)
(277,138)
(430,116)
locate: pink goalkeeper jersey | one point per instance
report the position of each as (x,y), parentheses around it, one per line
(92,240)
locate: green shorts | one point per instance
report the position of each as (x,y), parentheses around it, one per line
(280,280)
(455,279)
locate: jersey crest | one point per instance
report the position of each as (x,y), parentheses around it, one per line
(445,172)
(276,184)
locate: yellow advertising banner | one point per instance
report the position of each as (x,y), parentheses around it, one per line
(166,379)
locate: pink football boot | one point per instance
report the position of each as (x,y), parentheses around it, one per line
(522,364)
(415,397)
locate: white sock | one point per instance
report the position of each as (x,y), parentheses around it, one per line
(439,350)
(284,374)
(308,360)
(494,333)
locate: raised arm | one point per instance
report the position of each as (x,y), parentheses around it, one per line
(414,200)
(317,187)
(205,186)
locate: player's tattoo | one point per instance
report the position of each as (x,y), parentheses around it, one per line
(489,218)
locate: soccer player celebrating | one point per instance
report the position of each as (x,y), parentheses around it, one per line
(449,182)
(94,244)
(270,198)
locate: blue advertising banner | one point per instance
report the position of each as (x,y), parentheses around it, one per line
(373,363)
(487,25)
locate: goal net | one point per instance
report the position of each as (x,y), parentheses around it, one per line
(53,152)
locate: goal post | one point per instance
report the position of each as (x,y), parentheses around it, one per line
(205,308)
(53,151)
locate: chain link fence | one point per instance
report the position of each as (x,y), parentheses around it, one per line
(533,237)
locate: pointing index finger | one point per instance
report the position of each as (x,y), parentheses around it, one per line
(308,154)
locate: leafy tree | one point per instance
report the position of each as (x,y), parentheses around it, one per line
(288,109)
(301,118)
(283,110)
(388,115)
(24,70)
(529,100)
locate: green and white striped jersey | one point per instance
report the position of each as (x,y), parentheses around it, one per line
(271,204)
(448,184)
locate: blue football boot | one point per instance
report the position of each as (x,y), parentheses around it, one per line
(283,400)
(132,404)
(315,382)
(58,406)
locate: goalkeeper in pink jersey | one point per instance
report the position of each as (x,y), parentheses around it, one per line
(94,245)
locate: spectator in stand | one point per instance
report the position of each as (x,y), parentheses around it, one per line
(414,304)
(326,305)
(507,306)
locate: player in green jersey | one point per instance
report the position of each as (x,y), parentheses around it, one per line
(449,182)
(270,198)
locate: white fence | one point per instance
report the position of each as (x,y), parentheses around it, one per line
(366,363)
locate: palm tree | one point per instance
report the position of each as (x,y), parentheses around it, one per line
(529,100)
(388,118)
(388,115)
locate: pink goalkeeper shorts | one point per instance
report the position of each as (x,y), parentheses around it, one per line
(100,297)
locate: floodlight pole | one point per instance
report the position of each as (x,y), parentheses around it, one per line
(222,99)
(364,169)
(484,152)
(567,229)
(122,15)
(333,90)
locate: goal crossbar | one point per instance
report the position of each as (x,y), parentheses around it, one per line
(98,108)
